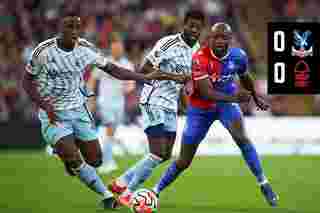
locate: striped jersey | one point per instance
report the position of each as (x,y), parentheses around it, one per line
(59,73)
(171,54)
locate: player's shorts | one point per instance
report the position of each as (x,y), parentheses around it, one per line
(158,121)
(199,120)
(78,122)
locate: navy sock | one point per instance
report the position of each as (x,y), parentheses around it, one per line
(250,155)
(168,177)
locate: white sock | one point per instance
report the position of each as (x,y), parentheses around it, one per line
(144,170)
(88,175)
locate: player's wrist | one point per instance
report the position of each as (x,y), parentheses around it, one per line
(101,61)
(108,67)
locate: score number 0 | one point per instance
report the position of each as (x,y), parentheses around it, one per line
(279,67)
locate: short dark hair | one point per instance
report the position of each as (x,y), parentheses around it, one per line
(70,14)
(195,14)
(65,11)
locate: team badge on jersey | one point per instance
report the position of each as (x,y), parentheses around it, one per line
(231,65)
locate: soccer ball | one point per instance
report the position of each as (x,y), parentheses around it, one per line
(144,198)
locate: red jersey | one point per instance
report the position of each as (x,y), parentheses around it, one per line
(204,65)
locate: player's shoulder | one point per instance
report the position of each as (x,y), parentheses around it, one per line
(85,43)
(168,41)
(237,52)
(170,37)
(41,48)
(201,53)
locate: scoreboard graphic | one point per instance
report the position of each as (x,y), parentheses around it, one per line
(293,58)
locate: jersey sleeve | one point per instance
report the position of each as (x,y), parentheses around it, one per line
(243,63)
(35,64)
(93,55)
(199,68)
(157,55)
(96,73)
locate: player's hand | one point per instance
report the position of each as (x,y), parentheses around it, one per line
(158,75)
(155,75)
(188,88)
(244,96)
(48,108)
(261,103)
(52,117)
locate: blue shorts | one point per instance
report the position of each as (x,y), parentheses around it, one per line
(157,121)
(199,121)
(78,122)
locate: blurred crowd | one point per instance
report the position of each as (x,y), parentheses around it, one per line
(128,28)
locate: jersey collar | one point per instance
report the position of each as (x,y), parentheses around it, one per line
(67,52)
(184,43)
(216,57)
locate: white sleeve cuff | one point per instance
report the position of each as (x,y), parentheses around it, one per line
(101,61)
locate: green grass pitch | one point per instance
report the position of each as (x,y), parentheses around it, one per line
(31,182)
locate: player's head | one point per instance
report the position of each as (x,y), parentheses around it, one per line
(71,25)
(116,45)
(220,38)
(194,21)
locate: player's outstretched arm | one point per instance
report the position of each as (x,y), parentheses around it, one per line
(125,74)
(208,92)
(247,82)
(122,73)
(156,74)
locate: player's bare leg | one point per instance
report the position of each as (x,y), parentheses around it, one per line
(68,152)
(90,151)
(108,163)
(160,151)
(250,155)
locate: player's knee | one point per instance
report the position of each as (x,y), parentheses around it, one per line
(73,166)
(95,163)
(240,137)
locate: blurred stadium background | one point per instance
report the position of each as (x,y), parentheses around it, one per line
(289,128)
(137,24)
